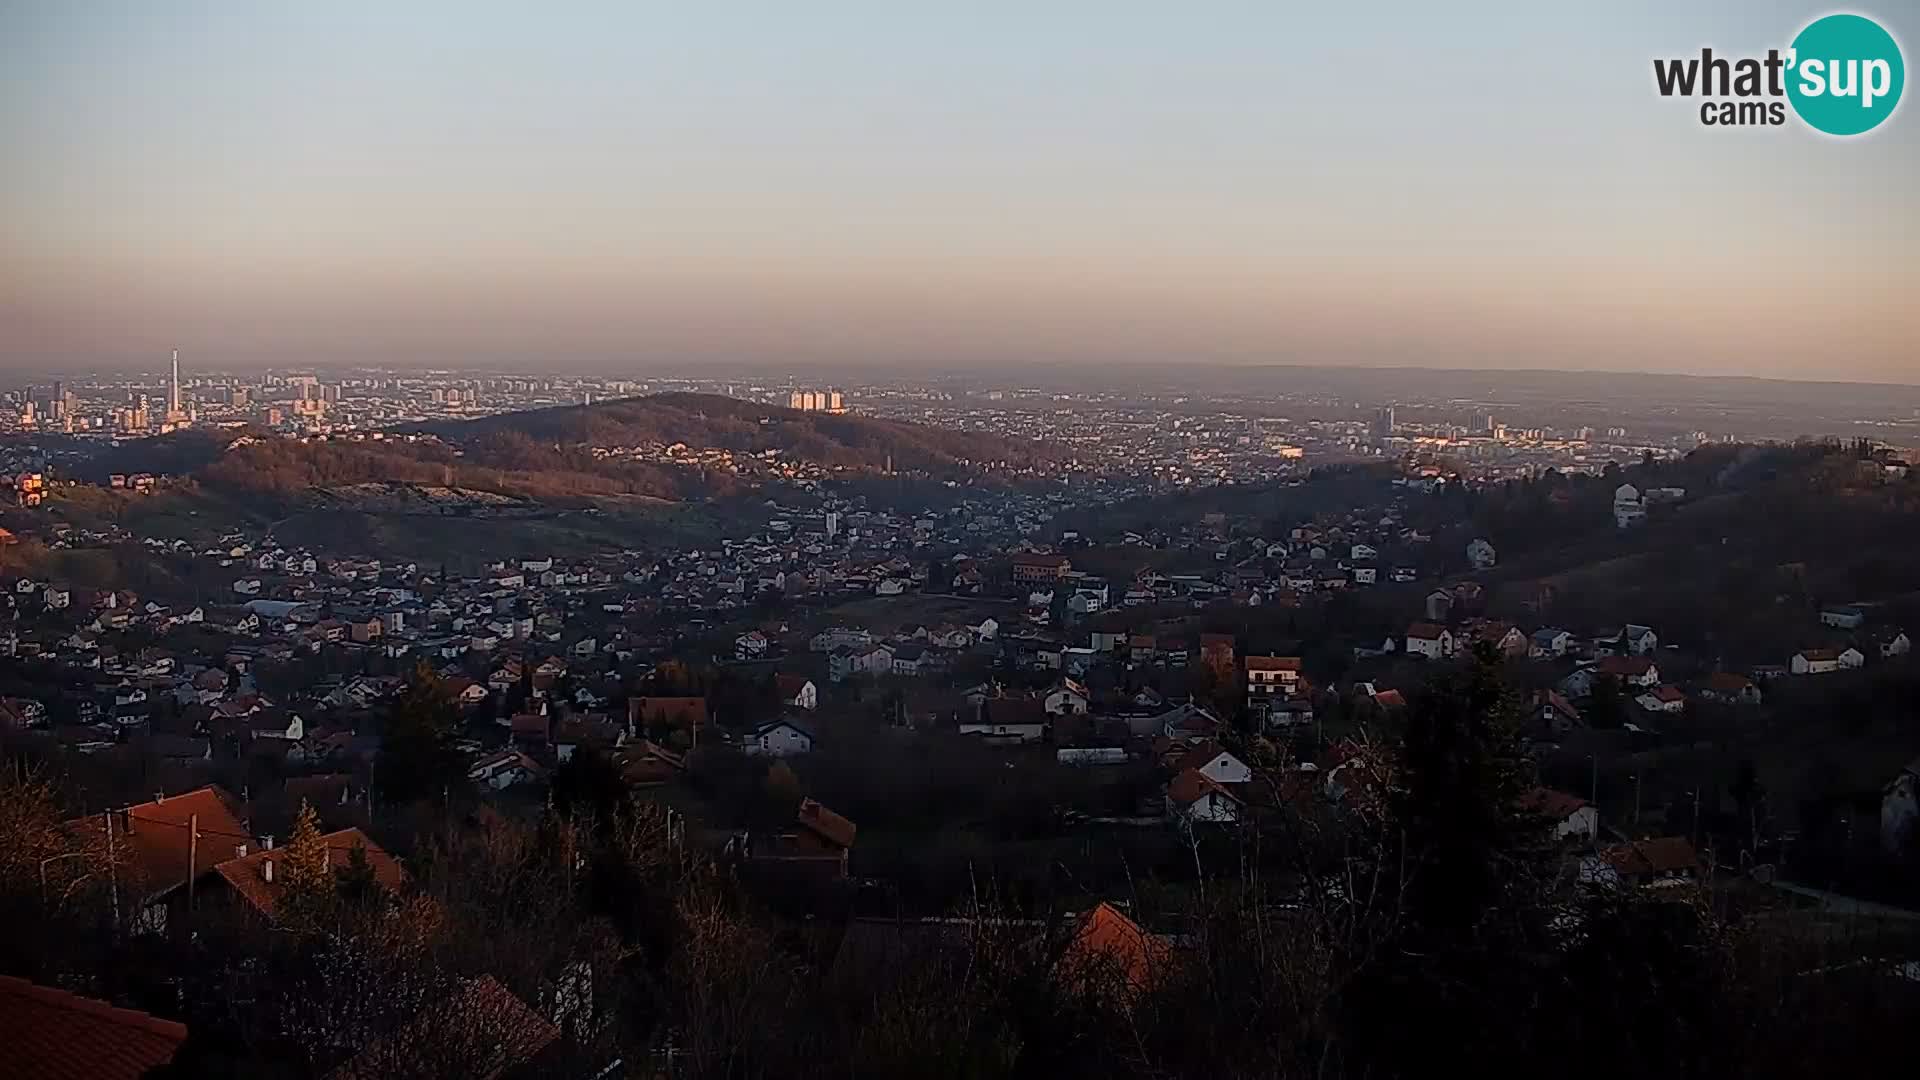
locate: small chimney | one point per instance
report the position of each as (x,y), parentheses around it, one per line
(266,870)
(239,851)
(266,843)
(159,796)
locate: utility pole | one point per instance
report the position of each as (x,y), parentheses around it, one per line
(113,872)
(193,854)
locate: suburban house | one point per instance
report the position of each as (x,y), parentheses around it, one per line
(1215,763)
(1825,660)
(503,769)
(1843,616)
(822,832)
(1429,640)
(1031,569)
(53,1033)
(1066,697)
(1661,862)
(257,880)
(1193,798)
(1730,689)
(170,840)
(777,738)
(796,691)
(1554,714)
(1549,641)
(1571,815)
(1271,678)
(1009,720)
(673,712)
(1630,670)
(1662,699)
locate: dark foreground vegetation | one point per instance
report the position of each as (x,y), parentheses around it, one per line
(1423,921)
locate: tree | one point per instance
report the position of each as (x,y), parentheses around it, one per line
(355,882)
(417,756)
(309,888)
(1468,870)
(1605,709)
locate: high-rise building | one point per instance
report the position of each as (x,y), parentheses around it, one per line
(174,411)
(1383,422)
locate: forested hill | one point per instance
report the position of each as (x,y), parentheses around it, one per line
(709,420)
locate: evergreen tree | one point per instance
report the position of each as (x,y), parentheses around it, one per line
(307,873)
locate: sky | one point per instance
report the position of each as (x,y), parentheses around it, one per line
(934,186)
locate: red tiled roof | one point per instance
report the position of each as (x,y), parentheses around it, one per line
(1108,944)
(1390,699)
(1659,856)
(1188,788)
(789,686)
(826,824)
(1547,802)
(159,838)
(1199,756)
(677,711)
(247,874)
(53,1035)
(1625,665)
(1425,631)
(1728,683)
(1272,663)
(483,1019)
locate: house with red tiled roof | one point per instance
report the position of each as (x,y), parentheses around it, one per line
(1638,671)
(1662,699)
(1109,955)
(796,691)
(1194,798)
(50,1034)
(256,879)
(1663,861)
(1214,762)
(1571,815)
(673,712)
(1729,688)
(169,842)
(1431,640)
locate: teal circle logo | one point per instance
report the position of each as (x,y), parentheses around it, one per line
(1845,74)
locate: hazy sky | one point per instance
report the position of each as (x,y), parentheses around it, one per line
(933,185)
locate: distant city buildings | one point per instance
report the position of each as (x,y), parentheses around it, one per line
(828,401)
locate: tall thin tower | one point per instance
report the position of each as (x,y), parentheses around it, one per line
(173,389)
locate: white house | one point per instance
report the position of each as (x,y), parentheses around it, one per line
(751,645)
(1428,640)
(797,691)
(1549,641)
(1825,661)
(1639,640)
(1843,617)
(1193,798)
(1896,645)
(1629,509)
(1215,763)
(1662,699)
(989,627)
(777,738)
(1571,815)
(1066,697)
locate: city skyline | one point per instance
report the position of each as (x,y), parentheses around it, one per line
(649,189)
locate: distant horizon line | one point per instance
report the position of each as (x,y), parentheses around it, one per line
(865,368)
